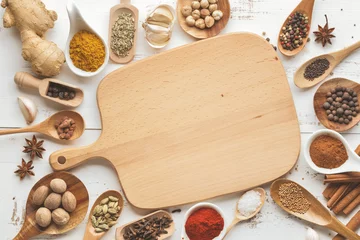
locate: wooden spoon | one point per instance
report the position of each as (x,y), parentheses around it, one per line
(26,80)
(47,127)
(334,58)
(76,187)
(223,5)
(320,99)
(90,233)
(238,217)
(305,6)
(115,11)
(119,235)
(317,214)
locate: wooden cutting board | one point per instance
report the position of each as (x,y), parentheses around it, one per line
(199,121)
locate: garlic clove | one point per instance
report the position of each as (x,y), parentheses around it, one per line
(28,109)
(161,14)
(161,24)
(155,28)
(311,234)
(158,38)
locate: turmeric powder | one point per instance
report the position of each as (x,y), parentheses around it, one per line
(87,51)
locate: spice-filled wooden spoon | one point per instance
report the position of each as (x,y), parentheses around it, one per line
(334,59)
(90,233)
(223,5)
(316,214)
(26,80)
(47,127)
(320,98)
(119,235)
(76,187)
(304,7)
(239,217)
(115,11)
(351,164)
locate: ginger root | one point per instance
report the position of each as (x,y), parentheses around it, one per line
(32,20)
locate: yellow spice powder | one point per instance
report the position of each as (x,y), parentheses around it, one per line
(87,51)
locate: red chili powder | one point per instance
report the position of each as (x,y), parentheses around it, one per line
(204,224)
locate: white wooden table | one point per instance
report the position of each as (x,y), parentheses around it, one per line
(256,16)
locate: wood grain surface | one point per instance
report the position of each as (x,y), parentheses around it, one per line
(199,129)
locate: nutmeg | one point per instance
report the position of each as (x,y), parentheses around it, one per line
(53,201)
(43,217)
(60,217)
(40,195)
(58,185)
(68,201)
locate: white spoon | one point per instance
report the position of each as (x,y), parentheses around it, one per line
(351,165)
(78,23)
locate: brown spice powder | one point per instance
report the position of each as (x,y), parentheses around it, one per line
(292,198)
(328,152)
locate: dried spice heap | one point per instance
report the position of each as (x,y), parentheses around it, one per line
(328,152)
(34,147)
(324,34)
(295,30)
(25,169)
(65,128)
(292,198)
(122,34)
(316,69)
(341,105)
(149,229)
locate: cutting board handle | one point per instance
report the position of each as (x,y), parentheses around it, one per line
(70,158)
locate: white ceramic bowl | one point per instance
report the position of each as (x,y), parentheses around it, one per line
(203,205)
(77,23)
(351,165)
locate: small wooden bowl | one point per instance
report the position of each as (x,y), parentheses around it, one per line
(223,5)
(320,99)
(76,187)
(121,230)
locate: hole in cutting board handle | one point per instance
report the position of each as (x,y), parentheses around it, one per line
(62,160)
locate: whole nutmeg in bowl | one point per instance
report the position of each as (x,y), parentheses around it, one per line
(43,217)
(53,201)
(68,201)
(58,185)
(40,195)
(60,217)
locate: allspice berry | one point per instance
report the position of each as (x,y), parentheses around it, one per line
(68,201)
(43,217)
(40,194)
(60,217)
(53,201)
(58,185)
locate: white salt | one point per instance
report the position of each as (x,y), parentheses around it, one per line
(249,202)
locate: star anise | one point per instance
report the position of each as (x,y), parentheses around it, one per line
(25,169)
(34,148)
(324,34)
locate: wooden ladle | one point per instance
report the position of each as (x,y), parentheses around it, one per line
(223,5)
(26,80)
(320,99)
(126,7)
(305,6)
(334,58)
(47,127)
(317,214)
(76,187)
(90,233)
(119,235)
(239,218)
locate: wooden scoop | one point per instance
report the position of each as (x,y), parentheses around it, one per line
(119,235)
(126,7)
(239,218)
(223,5)
(334,58)
(320,99)
(305,6)
(90,233)
(76,187)
(26,80)
(317,214)
(47,127)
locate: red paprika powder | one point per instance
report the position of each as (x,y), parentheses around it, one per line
(204,224)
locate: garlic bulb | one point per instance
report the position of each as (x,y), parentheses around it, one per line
(158,26)
(311,234)
(28,109)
